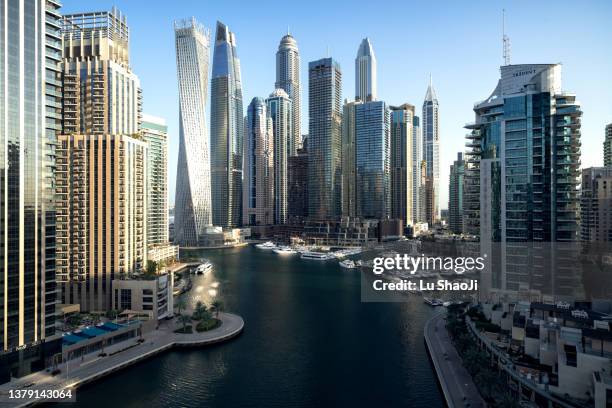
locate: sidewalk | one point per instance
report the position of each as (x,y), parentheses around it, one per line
(457,385)
(78,372)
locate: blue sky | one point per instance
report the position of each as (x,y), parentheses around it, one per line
(458,42)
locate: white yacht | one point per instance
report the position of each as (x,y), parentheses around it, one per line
(285,250)
(348,264)
(266,245)
(202,269)
(317,256)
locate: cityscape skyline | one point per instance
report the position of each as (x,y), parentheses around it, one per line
(401,78)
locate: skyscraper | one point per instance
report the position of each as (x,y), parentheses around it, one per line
(226,131)
(288,78)
(522,174)
(608,146)
(155,133)
(365,72)
(455,195)
(298,182)
(102,166)
(596,205)
(372,160)
(431,148)
(193,203)
(417,170)
(324,143)
(258,170)
(29,116)
(280,110)
(349,165)
(403,181)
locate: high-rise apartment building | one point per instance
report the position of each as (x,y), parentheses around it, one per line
(280,111)
(417,166)
(101,162)
(298,182)
(101,93)
(226,131)
(522,175)
(324,143)
(30,118)
(155,133)
(258,183)
(596,205)
(366,175)
(365,72)
(288,79)
(403,180)
(608,146)
(193,202)
(431,149)
(455,195)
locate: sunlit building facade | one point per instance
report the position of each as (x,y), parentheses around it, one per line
(288,79)
(431,149)
(403,180)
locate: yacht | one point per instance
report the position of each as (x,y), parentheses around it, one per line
(203,268)
(348,264)
(317,256)
(266,245)
(285,250)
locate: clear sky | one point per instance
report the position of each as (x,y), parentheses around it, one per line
(458,42)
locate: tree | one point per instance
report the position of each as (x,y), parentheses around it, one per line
(200,311)
(185,320)
(181,305)
(151,267)
(217,306)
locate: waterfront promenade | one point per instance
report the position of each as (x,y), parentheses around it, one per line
(457,385)
(79,372)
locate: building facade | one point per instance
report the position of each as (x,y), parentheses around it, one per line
(258,170)
(288,79)
(155,133)
(279,111)
(101,162)
(193,202)
(324,143)
(431,149)
(297,170)
(365,72)
(608,146)
(455,195)
(226,131)
(402,163)
(349,166)
(30,117)
(101,223)
(596,205)
(523,159)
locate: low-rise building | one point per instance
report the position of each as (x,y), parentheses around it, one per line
(165,253)
(151,296)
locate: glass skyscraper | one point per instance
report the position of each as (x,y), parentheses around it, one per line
(455,195)
(372,160)
(280,110)
(431,151)
(324,139)
(155,133)
(193,203)
(258,170)
(226,131)
(288,78)
(30,112)
(522,173)
(365,72)
(403,180)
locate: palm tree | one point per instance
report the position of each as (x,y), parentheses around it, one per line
(184,319)
(217,306)
(181,305)
(200,311)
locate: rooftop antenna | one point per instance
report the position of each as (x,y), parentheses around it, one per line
(288,32)
(505,39)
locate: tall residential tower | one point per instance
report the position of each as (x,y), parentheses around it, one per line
(288,79)
(431,151)
(193,205)
(365,72)
(226,131)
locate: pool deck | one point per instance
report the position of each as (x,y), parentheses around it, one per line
(457,385)
(78,372)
